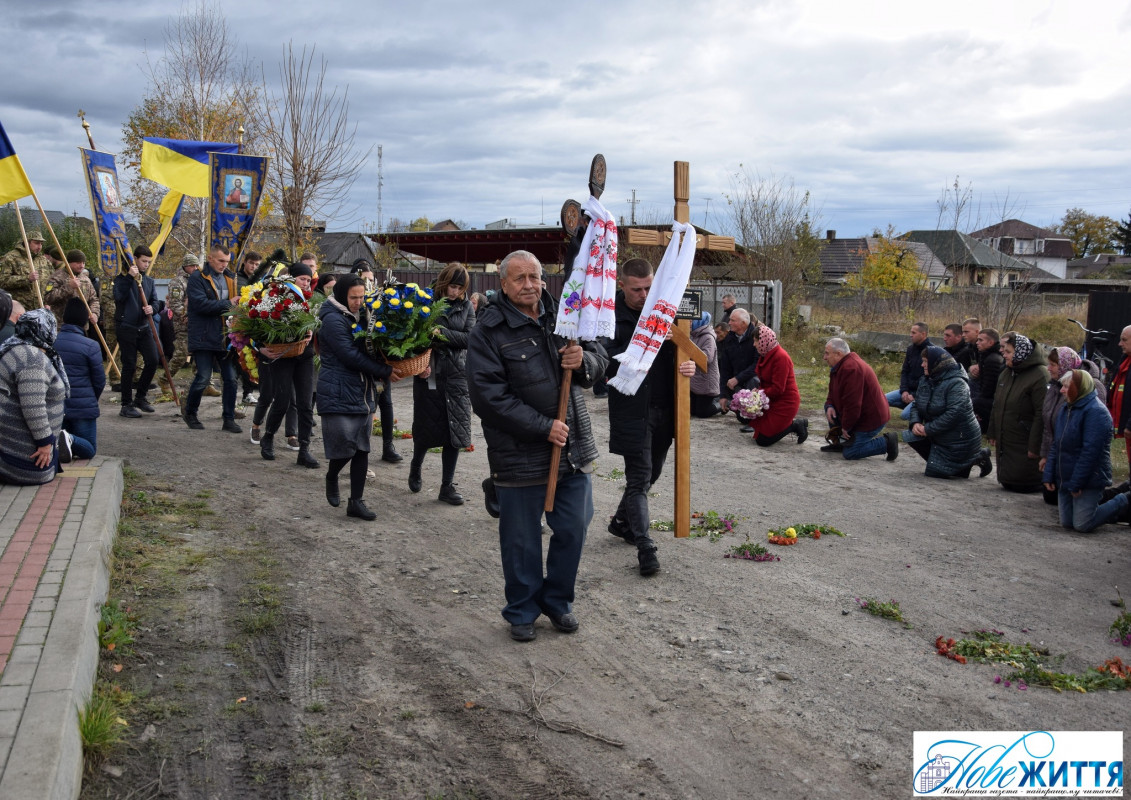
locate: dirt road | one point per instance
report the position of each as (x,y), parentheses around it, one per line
(388,671)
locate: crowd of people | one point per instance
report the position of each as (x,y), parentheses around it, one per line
(1048,416)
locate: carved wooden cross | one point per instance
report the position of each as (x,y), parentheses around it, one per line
(685,348)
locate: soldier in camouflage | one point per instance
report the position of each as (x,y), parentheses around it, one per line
(19,279)
(66,282)
(176,302)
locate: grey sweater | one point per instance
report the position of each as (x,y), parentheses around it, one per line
(31,413)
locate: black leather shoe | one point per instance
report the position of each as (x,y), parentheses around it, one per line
(357,508)
(267,446)
(833,447)
(566,623)
(746,429)
(618,527)
(801,428)
(985,463)
(649,563)
(391,455)
(332,496)
(192,421)
(524,632)
(414,480)
(128,410)
(449,495)
(305,459)
(231,427)
(892,442)
(143,405)
(490,498)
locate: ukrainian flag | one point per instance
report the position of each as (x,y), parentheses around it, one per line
(13,180)
(168,214)
(181,165)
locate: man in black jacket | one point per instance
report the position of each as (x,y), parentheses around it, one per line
(912,371)
(515,365)
(211,292)
(738,361)
(984,374)
(642,425)
(133,331)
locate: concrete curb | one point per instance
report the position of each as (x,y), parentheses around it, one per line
(46,758)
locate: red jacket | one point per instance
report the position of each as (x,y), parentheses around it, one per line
(775,371)
(855,393)
(1115,398)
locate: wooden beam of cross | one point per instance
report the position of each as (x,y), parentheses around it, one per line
(685,349)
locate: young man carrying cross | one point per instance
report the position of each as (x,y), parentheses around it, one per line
(642,425)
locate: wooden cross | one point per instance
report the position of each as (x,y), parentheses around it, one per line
(685,348)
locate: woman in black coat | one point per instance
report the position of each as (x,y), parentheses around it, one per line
(347,392)
(441,407)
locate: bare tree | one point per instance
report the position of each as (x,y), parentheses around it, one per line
(777,226)
(203,87)
(316,159)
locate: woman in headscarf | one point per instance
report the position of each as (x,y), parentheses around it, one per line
(775,371)
(944,430)
(705,385)
(441,408)
(347,388)
(1061,361)
(1079,461)
(1015,422)
(33,389)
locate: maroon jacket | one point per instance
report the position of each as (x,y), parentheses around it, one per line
(855,393)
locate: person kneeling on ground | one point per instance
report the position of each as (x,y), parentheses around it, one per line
(775,373)
(944,430)
(857,405)
(1079,460)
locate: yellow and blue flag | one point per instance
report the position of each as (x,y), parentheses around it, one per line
(168,213)
(180,164)
(13,180)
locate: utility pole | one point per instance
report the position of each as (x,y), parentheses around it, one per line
(706,211)
(633,203)
(380,183)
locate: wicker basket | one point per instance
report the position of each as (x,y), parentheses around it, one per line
(284,349)
(410,366)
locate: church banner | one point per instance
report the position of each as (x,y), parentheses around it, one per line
(237,188)
(106,208)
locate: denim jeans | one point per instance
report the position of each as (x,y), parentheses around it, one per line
(528,592)
(895,400)
(1085,513)
(206,361)
(85,432)
(866,443)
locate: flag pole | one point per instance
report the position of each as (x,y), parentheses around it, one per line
(152,327)
(30,260)
(556,454)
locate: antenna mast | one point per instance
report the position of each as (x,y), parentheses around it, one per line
(380,183)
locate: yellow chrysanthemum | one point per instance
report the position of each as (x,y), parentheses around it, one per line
(408,304)
(791,533)
(391,292)
(394,302)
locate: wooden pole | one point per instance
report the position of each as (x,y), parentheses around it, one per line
(682,184)
(556,455)
(30,260)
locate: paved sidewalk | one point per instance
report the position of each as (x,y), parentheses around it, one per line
(55,543)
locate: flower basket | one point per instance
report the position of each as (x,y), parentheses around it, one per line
(406,367)
(274,317)
(284,349)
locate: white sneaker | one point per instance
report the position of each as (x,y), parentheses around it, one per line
(65,452)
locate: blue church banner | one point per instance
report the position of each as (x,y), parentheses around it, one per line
(106,208)
(237,189)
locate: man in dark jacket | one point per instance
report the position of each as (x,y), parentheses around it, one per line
(856,404)
(133,331)
(82,359)
(738,360)
(211,292)
(984,374)
(912,371)
(956,346)
(642,425)
(515,366)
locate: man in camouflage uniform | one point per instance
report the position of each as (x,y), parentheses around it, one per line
(66,282)
(175,301)
(17,278)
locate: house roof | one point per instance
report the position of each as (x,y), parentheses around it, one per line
(840,257)
(928,263)
(1015,229)
(342,249)
(957,249)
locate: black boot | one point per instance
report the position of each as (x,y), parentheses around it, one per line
(305,459)
(332,496)
(267,446)
(985,463)
(649,564)
(390,453)
(357,508)
(414,479)
(801,428)
(449,494)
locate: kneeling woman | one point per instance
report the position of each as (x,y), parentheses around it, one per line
(775,371)
(944,430)
(347,392)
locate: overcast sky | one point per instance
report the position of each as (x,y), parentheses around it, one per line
(493,110)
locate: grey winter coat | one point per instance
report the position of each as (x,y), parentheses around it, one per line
(942,404)
(442,416)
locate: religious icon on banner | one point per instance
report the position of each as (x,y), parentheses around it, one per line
(238,191)
(108,185)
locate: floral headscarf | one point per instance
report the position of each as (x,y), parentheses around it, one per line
(767,339)
(1067,358)
(38,328)
(1022,348)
